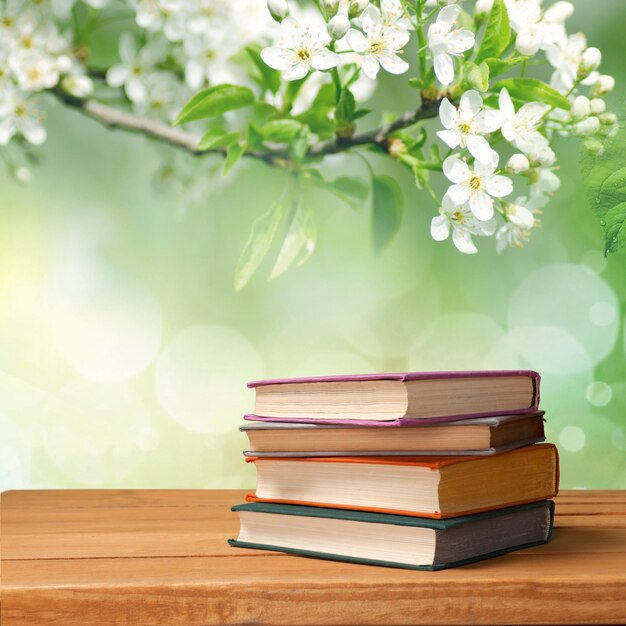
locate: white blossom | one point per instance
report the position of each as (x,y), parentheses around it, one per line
(476,186)
(33,70)
(483,7)
(206,60)
(162,15)
(590,61)
(378,44)
(520,128)
(466,125)
(19,116)
(300,49)
(78,85)
(445,42)
(516,231)
(565,57)
(542,155)
(462,223)
(135,66)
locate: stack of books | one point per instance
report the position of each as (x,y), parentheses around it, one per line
(416,470)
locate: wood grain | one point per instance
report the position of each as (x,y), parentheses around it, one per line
(148,558)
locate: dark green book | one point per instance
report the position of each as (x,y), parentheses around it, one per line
(392,540)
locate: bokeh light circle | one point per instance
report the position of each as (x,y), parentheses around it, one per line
(572,438)
(455,341)
(599,393)
(562,296)
(106,327)
(97,433)
(201,375)
(329,363)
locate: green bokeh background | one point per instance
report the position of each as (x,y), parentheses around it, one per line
(124,350)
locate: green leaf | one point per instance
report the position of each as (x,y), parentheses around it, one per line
(268,77)
(477,76)
(299,242)
(353,191)
(500,66)
(387,208)
(217,138)
(281,131)
(533,90)
(497,33)
(215,101)
(259,242)
(233,154)
(604,176)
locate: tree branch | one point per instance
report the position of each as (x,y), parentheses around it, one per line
(117,119)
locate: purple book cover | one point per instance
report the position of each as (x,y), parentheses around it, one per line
(406,376)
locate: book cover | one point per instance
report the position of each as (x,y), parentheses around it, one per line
(391,520)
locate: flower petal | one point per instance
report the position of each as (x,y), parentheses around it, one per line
(277,58)
(479,148)
(456,170)
(397,37)
(393,63)
(458,194)
(463,241)
(440,228)
(447,114)
(499,186)
(33,131)
(506,104)
(324,59)
(481,205)
(450,137)
(296,71)
(449,14)
(444,68)
(470,105)
(7,130)
(488,121)
(290,33)
(460,40)
(356,40)
(117,75)
(370,66)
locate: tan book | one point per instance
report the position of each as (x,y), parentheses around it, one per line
(423,396)
(479,436)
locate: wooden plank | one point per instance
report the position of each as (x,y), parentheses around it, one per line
(234,590)
(148,558)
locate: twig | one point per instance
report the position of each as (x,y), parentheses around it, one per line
(117,119)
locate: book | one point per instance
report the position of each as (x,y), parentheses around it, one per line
(437,487)
(392,540)
(370,398)
(477,436)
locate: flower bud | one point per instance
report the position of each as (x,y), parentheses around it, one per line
(483,7)
(586,127)
(357,7)
(597,105)
(595,146)
(604,85)
(338,26)
(278,9)
(77,85)
(63,64)
(529,41)
(607,119)
(22,174)
(543,156)
(558,12)
(517,164)
(589,62)
(331,6)
(581,107)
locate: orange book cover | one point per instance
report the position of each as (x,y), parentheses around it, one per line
(433,462)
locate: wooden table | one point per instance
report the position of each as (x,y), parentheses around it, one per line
(109,558)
